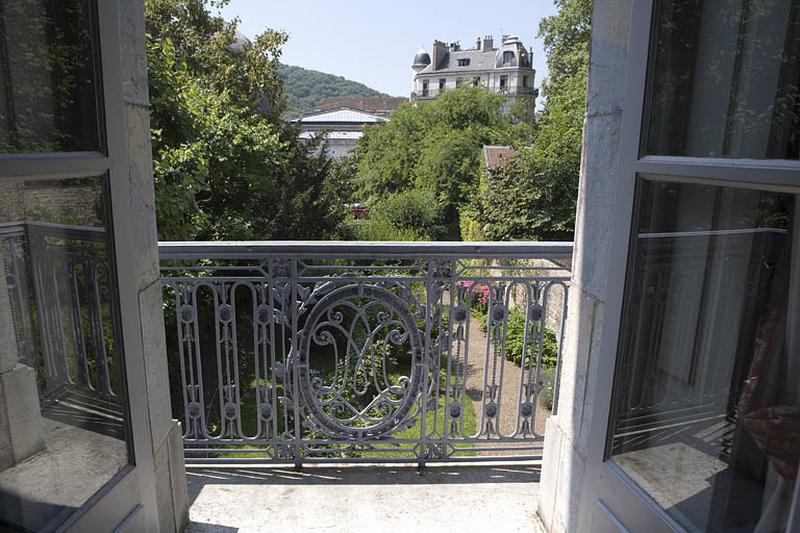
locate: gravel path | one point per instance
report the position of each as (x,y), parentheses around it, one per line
(509,400)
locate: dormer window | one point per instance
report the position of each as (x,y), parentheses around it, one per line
(463,62)
(508,58)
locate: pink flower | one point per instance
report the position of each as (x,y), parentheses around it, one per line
(483,289)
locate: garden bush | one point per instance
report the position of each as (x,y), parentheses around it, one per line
(379,229)
(515,339)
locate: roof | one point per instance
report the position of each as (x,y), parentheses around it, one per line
(379,105)
(479,60)
(341,116)
(497,156)
(422,58)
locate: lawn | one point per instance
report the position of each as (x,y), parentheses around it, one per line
(434,419)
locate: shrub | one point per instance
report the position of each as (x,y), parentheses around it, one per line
(412,209)
(379,229)
(515,339)
(469,225)
(479,299)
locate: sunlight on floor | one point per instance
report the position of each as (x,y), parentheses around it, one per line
(360,498)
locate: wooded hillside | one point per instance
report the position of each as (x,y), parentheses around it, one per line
(305,88)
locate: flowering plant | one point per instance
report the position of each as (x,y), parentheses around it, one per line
(481,290)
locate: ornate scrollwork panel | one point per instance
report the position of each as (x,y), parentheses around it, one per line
(360,364)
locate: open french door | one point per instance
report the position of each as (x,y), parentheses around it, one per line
(75,447)
(699,428)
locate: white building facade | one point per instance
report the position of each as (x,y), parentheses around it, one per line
(342,128)
(506,70)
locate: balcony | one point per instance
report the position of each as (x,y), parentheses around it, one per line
(320,357)
(297,365)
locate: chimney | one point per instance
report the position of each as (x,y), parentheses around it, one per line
(438,54)
(488,43)
(478,43)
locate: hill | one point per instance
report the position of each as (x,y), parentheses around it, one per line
(305,89)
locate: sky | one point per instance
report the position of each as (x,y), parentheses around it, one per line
(374,41)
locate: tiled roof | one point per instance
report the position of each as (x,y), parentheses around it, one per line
(380,105)
(496,156)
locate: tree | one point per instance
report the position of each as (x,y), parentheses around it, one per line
(225,165)
(434,149)
(535,198)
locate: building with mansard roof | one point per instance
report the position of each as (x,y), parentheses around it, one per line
(506,70)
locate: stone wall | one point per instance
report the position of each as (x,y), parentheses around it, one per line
(554,308)
(568,434)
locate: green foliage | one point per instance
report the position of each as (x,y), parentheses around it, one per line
(379,229)
(469,225)
(433,148)
(341,174)
(566,38)
(305,89)
(528,199)
(515,340)
(412,209)
(535,197)
(225,165)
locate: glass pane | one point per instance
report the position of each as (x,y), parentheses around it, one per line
(63,429)
(707,400)
(725,79)
(48,88)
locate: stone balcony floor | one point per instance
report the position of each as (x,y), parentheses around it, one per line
(451,498)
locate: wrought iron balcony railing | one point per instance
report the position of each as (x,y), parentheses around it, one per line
(295,352)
